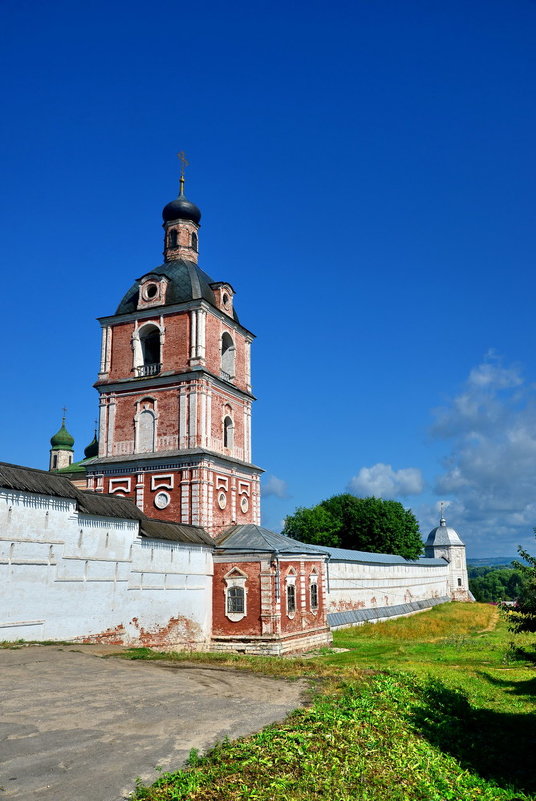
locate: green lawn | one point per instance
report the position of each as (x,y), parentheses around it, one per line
(433,707)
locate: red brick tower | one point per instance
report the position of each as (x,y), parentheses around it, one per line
(175,391)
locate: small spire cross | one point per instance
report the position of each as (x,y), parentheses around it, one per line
(184,162)
(64,413)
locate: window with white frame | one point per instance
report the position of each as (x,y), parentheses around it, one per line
(290,592)
(313,591)
(291,599)
(235,595)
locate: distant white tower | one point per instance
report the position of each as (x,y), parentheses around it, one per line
(444,542)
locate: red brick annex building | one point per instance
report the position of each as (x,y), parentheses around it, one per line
(175,437)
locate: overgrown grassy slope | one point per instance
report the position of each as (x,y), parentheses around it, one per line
(434,707)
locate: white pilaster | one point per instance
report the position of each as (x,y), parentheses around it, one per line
(108,359)
(201,329)
(103,426)
(192,422)
(183,430)
(203,416)
(193,333)
(111,426)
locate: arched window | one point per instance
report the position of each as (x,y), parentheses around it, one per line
(194,241)
(54,462)
(236,595)
(227,356)
(235,600)
(172,238)
(146,431)
(314,595)
(291,599)
(459,582)
(228,432)
(150,348)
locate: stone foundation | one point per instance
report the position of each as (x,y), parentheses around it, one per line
(276,646)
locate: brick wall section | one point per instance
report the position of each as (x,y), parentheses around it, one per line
(176,344)
(304,618)
(193,495)
(122,361)
(251,623)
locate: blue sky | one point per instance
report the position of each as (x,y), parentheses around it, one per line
(366,174)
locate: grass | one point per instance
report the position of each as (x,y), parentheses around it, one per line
(432,707)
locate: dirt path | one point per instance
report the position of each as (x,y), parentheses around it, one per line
(74,727)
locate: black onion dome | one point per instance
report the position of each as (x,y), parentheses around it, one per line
(187,281)
(181,209)
(92,450)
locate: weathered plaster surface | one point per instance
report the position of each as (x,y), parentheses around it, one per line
(67,576)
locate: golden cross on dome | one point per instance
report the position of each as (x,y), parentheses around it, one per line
(184,162)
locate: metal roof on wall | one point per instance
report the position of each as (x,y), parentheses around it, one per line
(175,532)
(256,538)
(366,557)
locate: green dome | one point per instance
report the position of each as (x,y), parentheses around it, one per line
(92,449)
(62,440)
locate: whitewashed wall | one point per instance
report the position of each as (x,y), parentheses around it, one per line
(66,576)
(360,585)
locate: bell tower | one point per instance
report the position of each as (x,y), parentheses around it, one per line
(175,390)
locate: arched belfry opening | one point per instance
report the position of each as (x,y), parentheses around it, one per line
(150,349)
(227,356)
(228,432)
(146,431)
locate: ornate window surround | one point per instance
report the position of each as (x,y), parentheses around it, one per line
(235,578)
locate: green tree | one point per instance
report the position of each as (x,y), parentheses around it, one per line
(315,526)
(524,617)
(494,584)
(361,524)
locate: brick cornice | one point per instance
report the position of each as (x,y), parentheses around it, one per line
(168,380)
(165,311)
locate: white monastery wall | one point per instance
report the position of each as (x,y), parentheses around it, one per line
(65,576)
(359,585)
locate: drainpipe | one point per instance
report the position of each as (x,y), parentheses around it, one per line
(327,573)
(277,576)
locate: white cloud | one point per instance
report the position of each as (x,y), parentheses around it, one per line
(384,482)
(491,467)
(274,486)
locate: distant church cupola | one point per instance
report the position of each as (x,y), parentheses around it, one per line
(181,224)
(61,450)
(92,450)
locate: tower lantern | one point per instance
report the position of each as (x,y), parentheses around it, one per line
(181,223)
